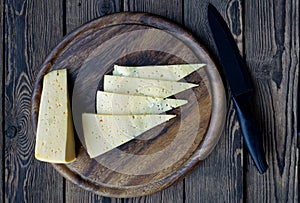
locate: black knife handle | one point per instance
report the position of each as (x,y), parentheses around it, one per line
(252,136)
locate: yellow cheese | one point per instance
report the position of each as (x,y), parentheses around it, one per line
(161,72)
(105,132)
(114,103)
(55,137)
(140,86)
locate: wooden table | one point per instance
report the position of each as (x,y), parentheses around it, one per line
(267,33)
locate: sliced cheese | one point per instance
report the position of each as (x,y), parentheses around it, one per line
(140,86)
(105,132)
(55,137)
(162,72)
(115,103)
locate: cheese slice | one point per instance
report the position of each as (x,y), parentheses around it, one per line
(140,86)
(162,72)
(115,103)
(105,132)
(55,137)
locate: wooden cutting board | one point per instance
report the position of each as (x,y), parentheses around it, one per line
(162,155)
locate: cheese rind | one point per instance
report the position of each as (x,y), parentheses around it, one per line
(161,72)
(55,137)
(140,86)
(115,103)
(103,133)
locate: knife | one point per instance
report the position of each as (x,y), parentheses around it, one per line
(240,85)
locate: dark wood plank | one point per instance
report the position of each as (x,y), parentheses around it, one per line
(1,103)
(171,10)
(32,28)
(80,12)
(77,13)
(76,194)
(220,177)
(272,54)
(172,194)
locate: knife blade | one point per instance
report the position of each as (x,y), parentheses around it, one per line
(240,85)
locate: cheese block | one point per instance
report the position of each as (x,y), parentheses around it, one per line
(115,103)
(140,86)
(162,72)
(105,132)
(55,137)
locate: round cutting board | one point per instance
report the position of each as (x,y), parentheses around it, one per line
(162,155)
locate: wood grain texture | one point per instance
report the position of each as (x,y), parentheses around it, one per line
(148,164)
(77,194)
(78,13)
(32,28)
(272,53)
(1,104)
(220,177)
(173,11)
(172,194)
